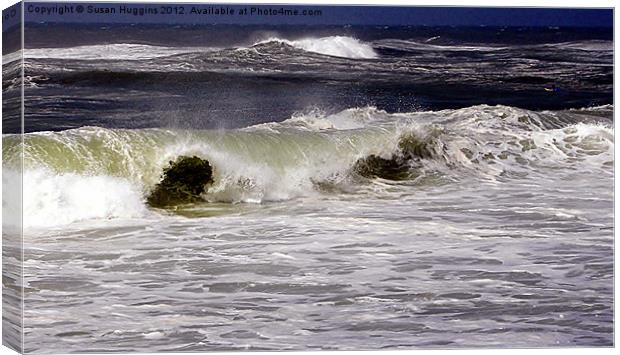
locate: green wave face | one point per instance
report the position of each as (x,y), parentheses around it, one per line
(140,155)
(90,151)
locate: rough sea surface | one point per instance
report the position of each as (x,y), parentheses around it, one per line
(500,236)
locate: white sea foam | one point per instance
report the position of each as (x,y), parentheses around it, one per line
(51,199)
(118,51)
(11,57)
(336,46)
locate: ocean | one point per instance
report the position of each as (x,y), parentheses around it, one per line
(373,187)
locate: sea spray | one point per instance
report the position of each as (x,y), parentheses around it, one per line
(51,199)
(336,46)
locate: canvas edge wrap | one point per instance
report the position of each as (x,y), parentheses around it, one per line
(12,175)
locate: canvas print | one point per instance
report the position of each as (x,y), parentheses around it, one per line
(208,177)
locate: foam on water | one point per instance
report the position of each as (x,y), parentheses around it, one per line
(11,57)
(57,199)
(117,51)
(336,46)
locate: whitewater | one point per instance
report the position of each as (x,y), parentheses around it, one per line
(501,215)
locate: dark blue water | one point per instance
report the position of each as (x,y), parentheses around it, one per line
(226,76)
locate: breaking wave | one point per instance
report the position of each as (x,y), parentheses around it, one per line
(116,51)
(335,46)
(98,173)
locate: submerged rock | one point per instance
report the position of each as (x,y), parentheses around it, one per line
(396,168)
(182,182)
(399,165)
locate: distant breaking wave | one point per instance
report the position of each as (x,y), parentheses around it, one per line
(98,173)
(335,46)
(117,51)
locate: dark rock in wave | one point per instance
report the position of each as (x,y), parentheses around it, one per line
(399,166)
(183,182)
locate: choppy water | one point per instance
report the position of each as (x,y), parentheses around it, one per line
(502,236)
(491,268)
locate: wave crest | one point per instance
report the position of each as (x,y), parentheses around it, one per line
(335,46)
(98,173)
(115,51)
(51,199)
